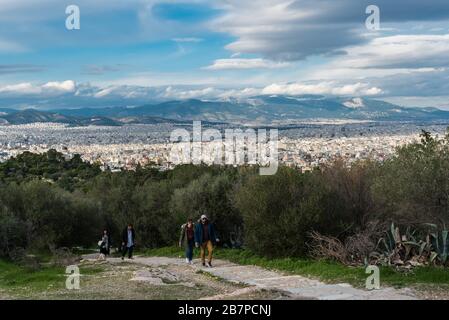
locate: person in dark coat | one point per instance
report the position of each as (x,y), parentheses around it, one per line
(205,238)
(128,241)
(187,239)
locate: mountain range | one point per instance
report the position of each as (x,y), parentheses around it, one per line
(255,110)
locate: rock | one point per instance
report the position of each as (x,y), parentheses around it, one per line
(156,276)
(146,276)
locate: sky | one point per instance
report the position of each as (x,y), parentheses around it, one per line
(136,51)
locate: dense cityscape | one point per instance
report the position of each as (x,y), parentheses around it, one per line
(126,147)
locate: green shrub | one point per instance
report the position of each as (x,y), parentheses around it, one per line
(278,211)
(210,195)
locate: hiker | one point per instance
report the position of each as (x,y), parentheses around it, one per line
(205,238)
(187,239)
(105,246)
(128,241)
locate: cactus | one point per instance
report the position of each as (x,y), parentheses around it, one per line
(440,243)
(398,249)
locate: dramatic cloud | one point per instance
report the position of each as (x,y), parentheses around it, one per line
(292,30)
(387,56)
(219,49)
(401,51)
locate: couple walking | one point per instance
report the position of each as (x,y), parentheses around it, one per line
(128,243)
(202,235)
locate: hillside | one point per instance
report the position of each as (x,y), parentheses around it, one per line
(255,110)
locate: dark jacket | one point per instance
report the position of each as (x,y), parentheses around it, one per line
(183,239)
(199,233)
(125,236)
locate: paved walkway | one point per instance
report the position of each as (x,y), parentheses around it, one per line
(297,287)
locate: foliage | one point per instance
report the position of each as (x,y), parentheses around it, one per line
(278,211)
(50,166)
(210,195)
(439,241)
(413,187)
(48,201)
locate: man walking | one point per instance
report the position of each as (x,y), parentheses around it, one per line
(205,238)
(128,241)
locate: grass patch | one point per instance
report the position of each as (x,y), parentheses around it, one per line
(15,277)
(327,271)
(21,281)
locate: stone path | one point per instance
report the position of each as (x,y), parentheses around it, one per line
(301,287)
(297,287)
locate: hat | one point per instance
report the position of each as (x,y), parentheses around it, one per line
(203,217)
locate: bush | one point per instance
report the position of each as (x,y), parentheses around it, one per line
(13,233)
(278,211)
(210,195)
(36,215)
(413,187)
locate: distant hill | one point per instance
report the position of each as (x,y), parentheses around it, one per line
(275,108)
(32,116)
(259,109)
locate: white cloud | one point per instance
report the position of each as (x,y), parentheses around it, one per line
(44,90)
(143,94)
(385,57)
(400,51)
(323,88)
(104,92)
(20,88)
(65,86)
(228,64)
(354,103)
(183,94)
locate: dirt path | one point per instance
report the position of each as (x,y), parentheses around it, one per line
(159,278)
(254,280)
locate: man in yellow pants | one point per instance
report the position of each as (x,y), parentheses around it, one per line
(205,238)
